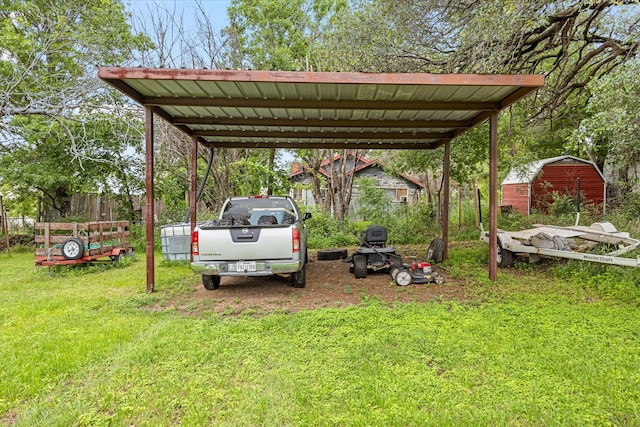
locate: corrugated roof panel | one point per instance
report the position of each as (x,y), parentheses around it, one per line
(341,99)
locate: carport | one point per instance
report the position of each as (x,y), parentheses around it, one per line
(280,109)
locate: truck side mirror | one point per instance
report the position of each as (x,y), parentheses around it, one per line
(306,216)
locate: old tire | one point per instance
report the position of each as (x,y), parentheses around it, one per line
(299,278)
(331,254)
(504,257)
(360,266)
(210,283)
(435,252)
(72,248)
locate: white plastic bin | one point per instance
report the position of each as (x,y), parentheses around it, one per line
(176,241)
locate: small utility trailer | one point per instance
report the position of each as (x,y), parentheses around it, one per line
(600,242)
(59,243)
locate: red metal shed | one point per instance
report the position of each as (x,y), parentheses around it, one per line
(531,187)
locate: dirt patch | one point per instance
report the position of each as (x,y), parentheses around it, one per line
(329,284)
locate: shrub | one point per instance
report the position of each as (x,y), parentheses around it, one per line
(323,231)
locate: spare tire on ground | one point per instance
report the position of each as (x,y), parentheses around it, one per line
(331,254)
(435,252)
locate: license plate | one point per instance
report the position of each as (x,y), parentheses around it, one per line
(246,266)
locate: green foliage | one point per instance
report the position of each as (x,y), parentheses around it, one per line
(611,129)
(614,282)
(83,155)
(139,238)
(373,204)
(405,223)
(562,204)
(324,231)
(253,175)
(280,34)
(412,224)
(57,137)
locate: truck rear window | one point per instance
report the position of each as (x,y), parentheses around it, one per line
(261,211)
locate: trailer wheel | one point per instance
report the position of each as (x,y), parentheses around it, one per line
(299,278)
(360,266)
(436,250)
(210,283)
(117,258)
(72,248)
(504,257)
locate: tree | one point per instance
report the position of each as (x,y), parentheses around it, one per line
(280,34)
(313,160)
(53,114)
(610,133)
(47,162)
(572,43)
(283,35)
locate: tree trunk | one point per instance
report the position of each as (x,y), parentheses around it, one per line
(272,161)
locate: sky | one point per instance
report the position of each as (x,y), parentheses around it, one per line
(217,8)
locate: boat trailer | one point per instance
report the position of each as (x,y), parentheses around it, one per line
(572,242)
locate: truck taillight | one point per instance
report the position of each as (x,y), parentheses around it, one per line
(296,240)
(194,243)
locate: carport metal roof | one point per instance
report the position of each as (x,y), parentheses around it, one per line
(267,109)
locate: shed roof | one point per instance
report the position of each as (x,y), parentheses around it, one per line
(266,109)
(527,173)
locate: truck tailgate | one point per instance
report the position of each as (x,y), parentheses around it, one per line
(246,243)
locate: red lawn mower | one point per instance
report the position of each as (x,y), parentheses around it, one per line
(375,255)
(416,272)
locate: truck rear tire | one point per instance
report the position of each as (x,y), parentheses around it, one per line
(210,283)
(299,278)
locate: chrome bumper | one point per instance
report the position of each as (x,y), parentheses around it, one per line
(263,268)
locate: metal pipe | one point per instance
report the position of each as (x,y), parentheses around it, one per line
(204,177)
(149,215)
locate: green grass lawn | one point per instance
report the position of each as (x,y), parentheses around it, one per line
(82,347)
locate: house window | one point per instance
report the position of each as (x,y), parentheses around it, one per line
(401,194)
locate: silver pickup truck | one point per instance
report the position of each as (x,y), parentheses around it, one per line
(254,236)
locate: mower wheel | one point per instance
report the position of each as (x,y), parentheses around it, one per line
(360,266)
(436,250)
(403,278)
(394,272)
(438,279)
(331,254)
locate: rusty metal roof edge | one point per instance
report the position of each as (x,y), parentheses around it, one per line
(315,77)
